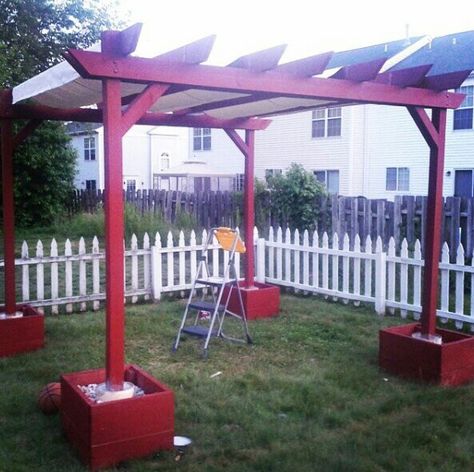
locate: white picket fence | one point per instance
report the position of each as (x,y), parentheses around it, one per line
(308,263)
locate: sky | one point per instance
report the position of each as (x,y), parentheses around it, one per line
(307,27)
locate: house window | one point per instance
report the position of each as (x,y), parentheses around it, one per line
(91,185)
(326,122)
(397,178)
(202,139)
(330,178)
(272,173)
(89,148)
(238,182)
(165,161)
(462,118)
(131,185)
(463,183)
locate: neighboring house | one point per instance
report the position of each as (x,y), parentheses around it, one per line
(370,150)
(195,176)
(147,152)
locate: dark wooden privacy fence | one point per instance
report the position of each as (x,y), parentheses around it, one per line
(208,208)
(403,218)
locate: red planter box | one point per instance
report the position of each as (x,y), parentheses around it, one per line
(107,433)
(449,363)
(21,334)
(261,301)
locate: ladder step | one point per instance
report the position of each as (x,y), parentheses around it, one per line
(201,331)
(205,306)
(215,281)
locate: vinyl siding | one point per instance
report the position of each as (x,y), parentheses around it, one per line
(288,139)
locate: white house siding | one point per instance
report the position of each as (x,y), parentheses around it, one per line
(142,148)
(136,157)
(288,139)
(459,149)
(393,140)
(87,170)
(171,141)
(223,155)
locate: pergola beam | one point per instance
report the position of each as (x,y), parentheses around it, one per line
(89,115)
(142,70)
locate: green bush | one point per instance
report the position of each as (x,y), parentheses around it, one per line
(293,196)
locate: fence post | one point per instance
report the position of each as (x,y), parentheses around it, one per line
(156,276)
(380,277)
(260,260)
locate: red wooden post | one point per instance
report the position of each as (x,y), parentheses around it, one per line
(249,211)
(433,233)
(114,251)
(8,216)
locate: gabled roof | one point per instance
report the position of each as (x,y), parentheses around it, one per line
(371,53)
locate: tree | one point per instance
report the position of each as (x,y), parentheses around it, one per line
(293,196)
(33,35)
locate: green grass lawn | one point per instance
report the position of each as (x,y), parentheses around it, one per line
(307,396)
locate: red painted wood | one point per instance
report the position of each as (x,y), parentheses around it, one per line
(448,81)
(155,119)
(434,133)
(260,301)
(426,127)
(107,433)
(114,235)
(409,77)
(141,104)
(8,215)
(450,364)
(23,334)
(193,53)
(308,66)
(260,61)
(25,132)
(94,65)
(238,141)
(128,39)
(360,72)
(247,148)
(249,210)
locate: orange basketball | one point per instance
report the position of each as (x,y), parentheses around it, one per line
(49,400)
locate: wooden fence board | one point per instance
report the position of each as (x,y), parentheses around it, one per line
(405,217)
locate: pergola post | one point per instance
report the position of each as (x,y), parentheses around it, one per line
(433,131)
(433,234)
(249,211)
(8,216)
(114,235)
(247,148)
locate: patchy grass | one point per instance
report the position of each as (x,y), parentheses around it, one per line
(307,396)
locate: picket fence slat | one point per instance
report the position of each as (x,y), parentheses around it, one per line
(319,266)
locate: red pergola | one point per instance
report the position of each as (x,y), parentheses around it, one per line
(177,89)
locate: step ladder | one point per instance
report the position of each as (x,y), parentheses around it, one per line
(211,305)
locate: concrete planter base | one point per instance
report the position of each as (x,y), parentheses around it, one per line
(107,433)
(448,363)
(21,334)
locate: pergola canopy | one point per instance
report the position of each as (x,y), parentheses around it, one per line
(410,72)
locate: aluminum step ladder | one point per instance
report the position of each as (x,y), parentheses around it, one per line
(211,305)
